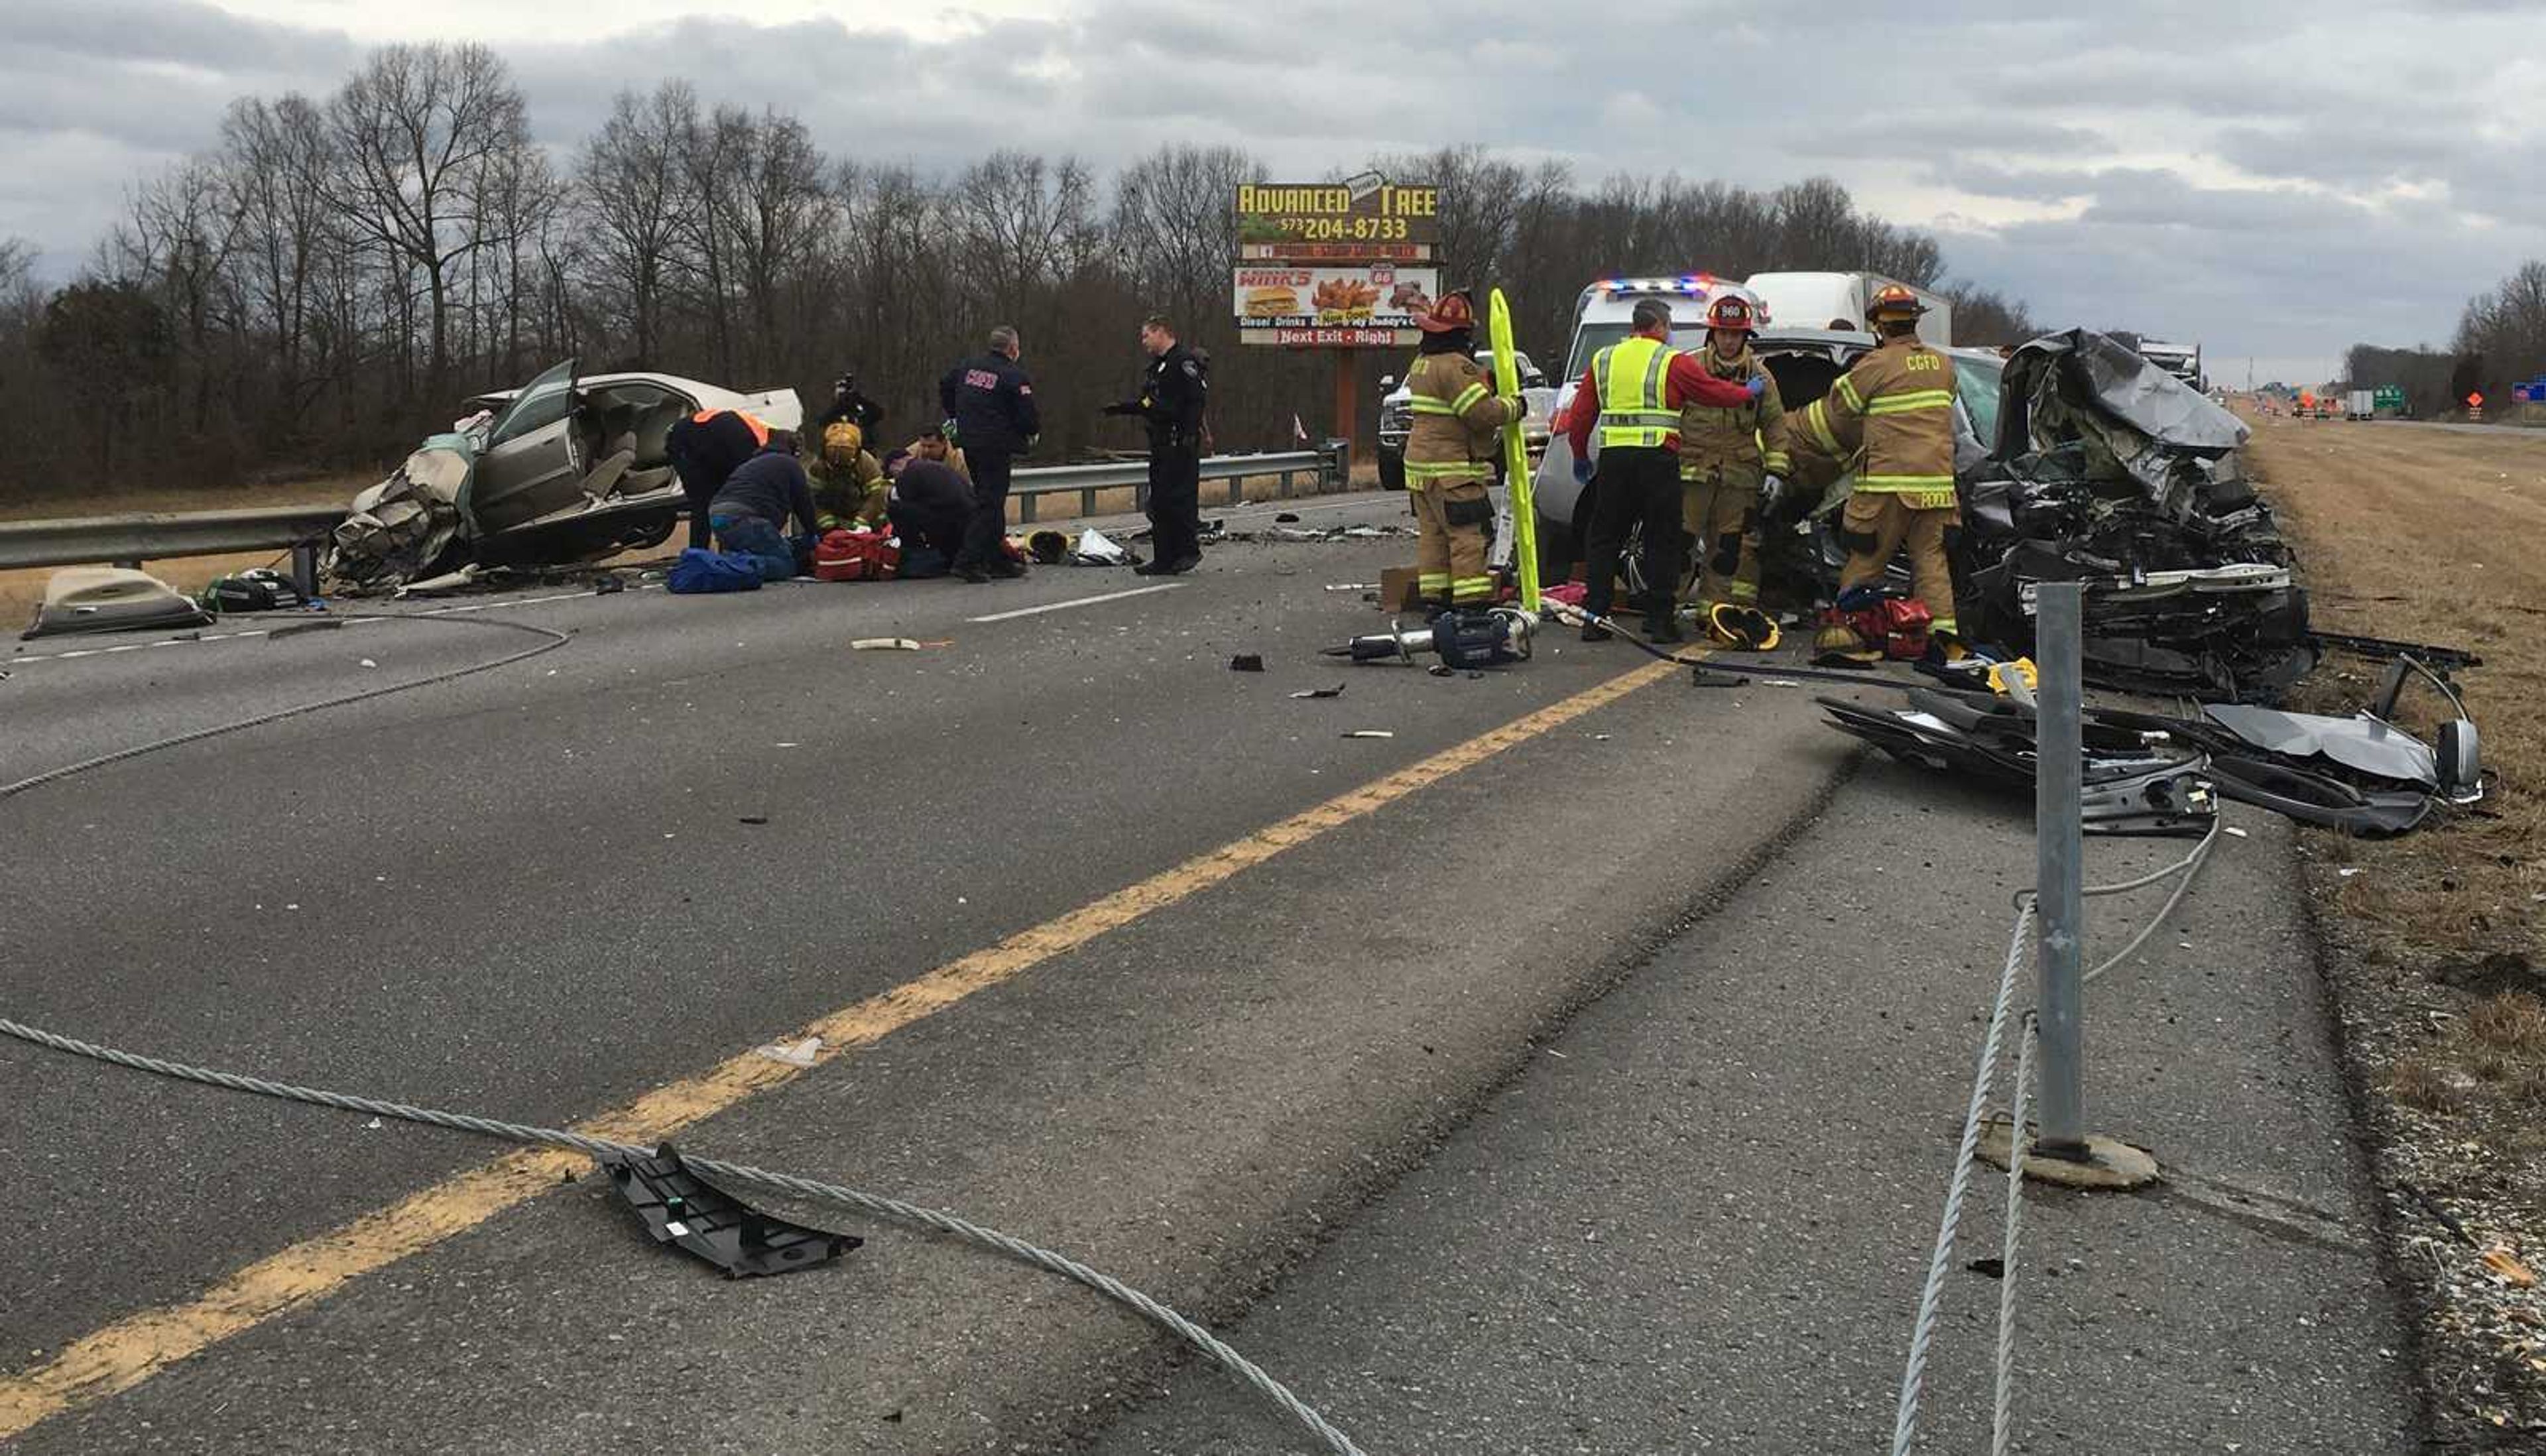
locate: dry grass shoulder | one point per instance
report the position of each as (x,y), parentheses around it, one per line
(2429,535)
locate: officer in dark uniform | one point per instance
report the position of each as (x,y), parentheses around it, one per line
(848,402)
(992,404)
(1173,396)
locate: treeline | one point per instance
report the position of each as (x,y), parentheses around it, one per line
(333,276)
(2501,341)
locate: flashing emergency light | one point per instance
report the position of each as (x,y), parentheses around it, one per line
(1687,284)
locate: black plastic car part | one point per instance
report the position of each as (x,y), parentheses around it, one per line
(680,1208)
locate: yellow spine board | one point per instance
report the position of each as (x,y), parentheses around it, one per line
(1524,512)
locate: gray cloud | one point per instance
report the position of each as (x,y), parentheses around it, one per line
(2232,169)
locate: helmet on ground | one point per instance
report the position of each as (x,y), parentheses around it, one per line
(1745,628)
(1455,310)
(1894,301)
(1732,310)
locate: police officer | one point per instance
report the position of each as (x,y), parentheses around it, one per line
(1901,399)
(1173,396)
(992,402)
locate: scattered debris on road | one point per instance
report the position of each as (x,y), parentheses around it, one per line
(2137,780)
(1370,734)
(804,1051)
(2146,772)
(679,1208)
(1336,691)
(1246,663)
(85,599)
(884,645)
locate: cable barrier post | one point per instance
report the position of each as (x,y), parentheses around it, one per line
(2060,870)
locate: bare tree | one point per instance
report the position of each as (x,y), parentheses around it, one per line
(413,129)
(781,213)
(178,237)
(1175,228)
(634,186)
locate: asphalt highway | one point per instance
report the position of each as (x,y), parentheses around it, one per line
(1111,947)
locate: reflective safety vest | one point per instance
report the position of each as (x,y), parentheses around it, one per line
(1633,375)
(759,431)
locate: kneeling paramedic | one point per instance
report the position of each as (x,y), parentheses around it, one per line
(1729,462)
(1451,446)
(1630,398)
(1901,396)
(929,507)
(750,514)
(848,485)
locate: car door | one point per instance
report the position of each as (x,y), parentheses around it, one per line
(531,464)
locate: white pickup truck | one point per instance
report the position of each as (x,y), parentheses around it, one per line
(1396,413)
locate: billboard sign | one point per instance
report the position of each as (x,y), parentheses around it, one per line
(1364,306)
(1363,219)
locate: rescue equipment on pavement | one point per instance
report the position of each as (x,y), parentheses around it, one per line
(856,555)
(262,590)
(1464,636)
(1884,618)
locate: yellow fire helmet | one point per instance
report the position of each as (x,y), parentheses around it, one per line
(841,442)
(1747,628)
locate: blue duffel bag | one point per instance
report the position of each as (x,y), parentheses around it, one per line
(706,570)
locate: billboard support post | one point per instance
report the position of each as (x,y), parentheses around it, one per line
(1344,405)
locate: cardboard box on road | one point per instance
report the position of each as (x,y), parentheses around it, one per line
(1396,588)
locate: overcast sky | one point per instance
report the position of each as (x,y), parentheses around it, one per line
(2276,182)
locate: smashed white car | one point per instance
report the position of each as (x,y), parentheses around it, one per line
(565,469)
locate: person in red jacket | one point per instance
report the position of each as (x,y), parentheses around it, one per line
(1630,399)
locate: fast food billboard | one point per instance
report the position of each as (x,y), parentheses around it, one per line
(1372,305)
(1366,218)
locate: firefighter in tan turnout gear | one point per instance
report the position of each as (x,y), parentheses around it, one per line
(1452,443)
(1901,399)
(1728,459)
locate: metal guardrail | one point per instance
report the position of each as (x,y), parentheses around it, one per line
(73,541)
(135,538)
(1327,463)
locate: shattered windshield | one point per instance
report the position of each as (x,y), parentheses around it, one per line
(1978,381)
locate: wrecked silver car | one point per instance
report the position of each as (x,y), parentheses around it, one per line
(566,469)
(2108,470)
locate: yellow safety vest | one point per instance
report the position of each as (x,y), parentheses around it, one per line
(1633,375)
